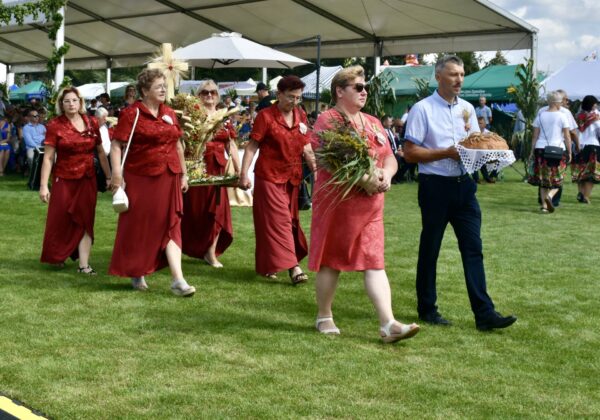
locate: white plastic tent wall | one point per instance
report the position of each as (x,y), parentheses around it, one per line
(578,79)
(310,80)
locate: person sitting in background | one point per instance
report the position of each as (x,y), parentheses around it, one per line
(33,134)
(585,168)
(92,107)
(5,135)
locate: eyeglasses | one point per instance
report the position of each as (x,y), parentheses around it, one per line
(359,87)
(205,92)
(34,116)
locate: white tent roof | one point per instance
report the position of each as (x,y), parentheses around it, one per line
(578,79)
(91,90)
(127,32)
(310,80)
(231,49)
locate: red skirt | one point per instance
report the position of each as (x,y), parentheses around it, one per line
(206,215)
(280,242)
(71,213)
(346,235)
(153,219)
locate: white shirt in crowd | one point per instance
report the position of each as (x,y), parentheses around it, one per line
(435,124)
(551,126)
(590,135)
(566,113)
(105,139)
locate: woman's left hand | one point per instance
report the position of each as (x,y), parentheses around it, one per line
(385,181)
(184,183)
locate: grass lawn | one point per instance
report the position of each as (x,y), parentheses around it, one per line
(90,347)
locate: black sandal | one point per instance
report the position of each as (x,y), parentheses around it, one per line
(301,277)
(87,270)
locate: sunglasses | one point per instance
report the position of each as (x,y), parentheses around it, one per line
(359,87)
(205,92)
(34,116)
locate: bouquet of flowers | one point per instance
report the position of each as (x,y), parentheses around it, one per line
(344,153)
(198,128)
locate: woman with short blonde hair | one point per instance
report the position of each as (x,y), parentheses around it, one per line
(344,78)
(551,128)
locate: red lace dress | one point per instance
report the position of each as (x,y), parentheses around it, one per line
(347,235)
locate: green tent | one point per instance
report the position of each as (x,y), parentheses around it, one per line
(35,89)
(491,82)
(403,78)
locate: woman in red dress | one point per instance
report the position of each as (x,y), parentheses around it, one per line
(281,133)
(71,137)
(149,233)
(347,234)
(206,227)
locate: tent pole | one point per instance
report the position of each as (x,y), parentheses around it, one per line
(193,73)
(318,73)
(264,75)
(534,52)
(59,74)
(108,71)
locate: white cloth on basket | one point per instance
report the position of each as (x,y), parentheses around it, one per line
(494,160)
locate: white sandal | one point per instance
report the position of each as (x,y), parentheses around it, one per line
(406,331)
(326,331)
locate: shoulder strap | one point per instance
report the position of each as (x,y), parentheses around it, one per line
(137,114)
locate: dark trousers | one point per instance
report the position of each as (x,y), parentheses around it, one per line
(451,200)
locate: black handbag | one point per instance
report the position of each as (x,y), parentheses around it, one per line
(551,152)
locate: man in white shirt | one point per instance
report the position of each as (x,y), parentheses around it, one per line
(484,111)
(447,194)
(34,134)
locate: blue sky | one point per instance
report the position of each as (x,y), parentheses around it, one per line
(567,29)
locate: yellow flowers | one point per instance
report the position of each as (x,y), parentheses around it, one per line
(466,114)
(511,90)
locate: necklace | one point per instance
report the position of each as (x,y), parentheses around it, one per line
(353,120)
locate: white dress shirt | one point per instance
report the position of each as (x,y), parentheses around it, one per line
(433,123)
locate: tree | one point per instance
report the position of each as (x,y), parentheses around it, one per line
(498,60)
(469,58)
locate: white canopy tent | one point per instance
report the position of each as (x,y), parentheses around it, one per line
(578,79)
(310,80)
(92,90)
(120,33)
(231,49)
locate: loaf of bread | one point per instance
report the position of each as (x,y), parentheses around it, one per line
(487,141)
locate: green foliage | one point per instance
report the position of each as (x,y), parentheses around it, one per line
(498,60)
(422,88)
(52,101)
(380,93)
(345,155)
(50,9)
(325,96)
(526,96)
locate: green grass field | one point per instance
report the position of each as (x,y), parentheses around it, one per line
(90,347)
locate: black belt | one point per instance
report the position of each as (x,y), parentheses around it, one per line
(451,179)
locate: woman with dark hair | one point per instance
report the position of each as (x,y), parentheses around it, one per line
(71,137)
(347,234)
(149,233)
(206,227)
(281,133)
(550,128)
(585,168)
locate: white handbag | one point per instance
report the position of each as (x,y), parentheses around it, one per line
(120,201)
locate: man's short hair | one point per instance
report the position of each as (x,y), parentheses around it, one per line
(385,117)
(441,63)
